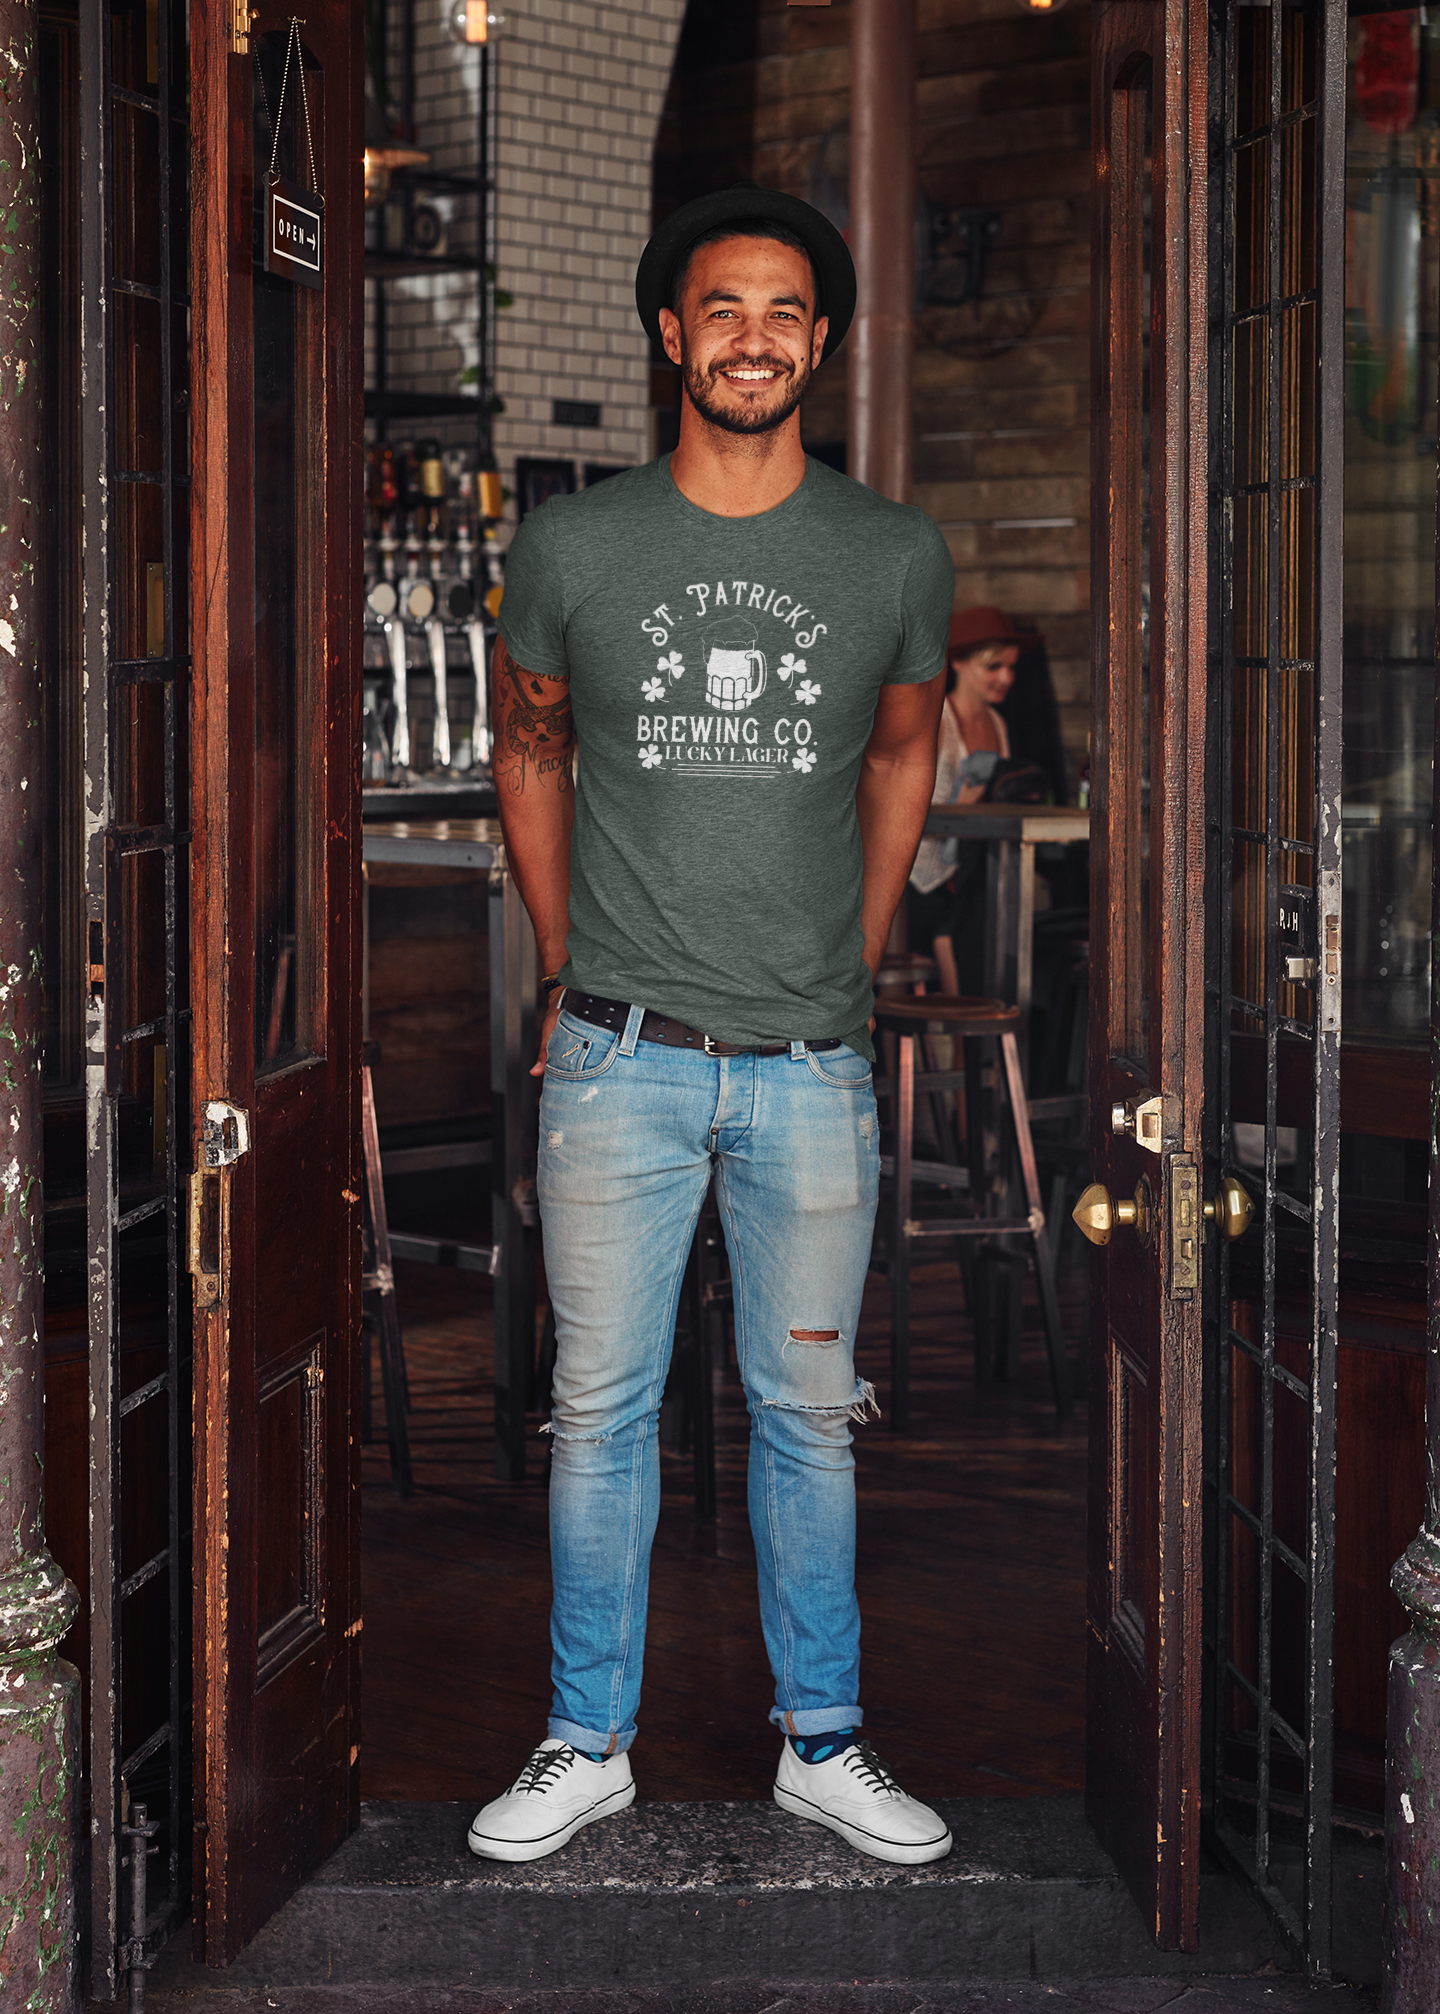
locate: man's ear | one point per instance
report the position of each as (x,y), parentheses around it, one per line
(670,334)
(817,343)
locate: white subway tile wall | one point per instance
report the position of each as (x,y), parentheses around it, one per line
(579,86)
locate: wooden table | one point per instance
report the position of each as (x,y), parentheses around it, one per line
(476,843)
(1011,833)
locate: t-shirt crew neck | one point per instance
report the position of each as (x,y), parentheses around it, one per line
(723,678)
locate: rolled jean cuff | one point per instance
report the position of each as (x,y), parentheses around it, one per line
(827,1720)
(587,1740)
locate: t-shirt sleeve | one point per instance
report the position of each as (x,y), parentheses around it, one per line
(925,603)
(532,608)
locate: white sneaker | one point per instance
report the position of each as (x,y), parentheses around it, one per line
(856,1796)
(555,1794)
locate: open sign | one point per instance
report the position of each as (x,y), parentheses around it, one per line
(294,233)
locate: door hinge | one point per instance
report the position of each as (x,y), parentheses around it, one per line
(224,1133)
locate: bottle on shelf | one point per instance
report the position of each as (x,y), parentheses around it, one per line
(1083,794)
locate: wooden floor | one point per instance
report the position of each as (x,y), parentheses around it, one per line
(971,1579)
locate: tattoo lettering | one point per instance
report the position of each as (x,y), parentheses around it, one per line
(533,736)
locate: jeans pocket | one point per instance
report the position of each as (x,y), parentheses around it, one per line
(579,1049)
(843,1069)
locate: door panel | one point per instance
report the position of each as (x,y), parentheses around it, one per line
(1148,476)
(1279,640)
(277,985)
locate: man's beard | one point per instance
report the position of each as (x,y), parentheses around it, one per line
(744,420)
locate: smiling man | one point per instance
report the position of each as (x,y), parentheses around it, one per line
(746,652)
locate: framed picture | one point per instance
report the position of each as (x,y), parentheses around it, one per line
(537,481)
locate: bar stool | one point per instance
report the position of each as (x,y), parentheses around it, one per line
(970,1022)
(377,1292)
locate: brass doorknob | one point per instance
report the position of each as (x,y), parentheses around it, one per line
(1231,1210)
(1097,1214)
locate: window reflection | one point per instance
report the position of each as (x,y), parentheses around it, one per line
(1392,278)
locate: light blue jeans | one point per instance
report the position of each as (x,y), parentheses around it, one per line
(630,1135)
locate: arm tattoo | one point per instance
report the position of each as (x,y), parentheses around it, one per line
(532,737)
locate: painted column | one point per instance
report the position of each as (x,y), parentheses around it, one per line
(39,1695)
(882,240)
(1412,1729)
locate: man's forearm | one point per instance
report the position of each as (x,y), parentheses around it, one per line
(892,803)
(534,751)
(537,831)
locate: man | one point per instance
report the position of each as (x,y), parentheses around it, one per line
(745,651)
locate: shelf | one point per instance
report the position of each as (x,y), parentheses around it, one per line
(437,181)
(409,266)
(421,405)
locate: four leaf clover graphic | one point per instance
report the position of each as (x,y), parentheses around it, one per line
(651,758)
(804,761)
(653,689)
(790,662)
(807,692)
(674,663)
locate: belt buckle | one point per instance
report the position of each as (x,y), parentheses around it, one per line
(710,1049)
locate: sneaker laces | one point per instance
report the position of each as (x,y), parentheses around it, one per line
(543,1764)
(864,1763)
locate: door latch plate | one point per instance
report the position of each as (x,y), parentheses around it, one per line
(1153,1123)
(224,1134)
(1185,1223)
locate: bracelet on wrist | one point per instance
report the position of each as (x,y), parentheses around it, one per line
(549,982)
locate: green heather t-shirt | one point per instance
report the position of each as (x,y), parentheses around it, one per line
(723,677)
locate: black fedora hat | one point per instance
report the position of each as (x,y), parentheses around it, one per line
(744,203)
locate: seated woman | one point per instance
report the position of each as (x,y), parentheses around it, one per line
(947,882)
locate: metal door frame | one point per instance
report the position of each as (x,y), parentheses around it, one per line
(108,845)
(1308,1925)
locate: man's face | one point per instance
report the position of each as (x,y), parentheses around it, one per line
(746,338)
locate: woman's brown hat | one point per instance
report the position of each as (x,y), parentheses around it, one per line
(970,627)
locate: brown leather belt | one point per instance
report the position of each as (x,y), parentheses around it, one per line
(614,1014)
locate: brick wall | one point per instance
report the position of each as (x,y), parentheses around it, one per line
(578,90)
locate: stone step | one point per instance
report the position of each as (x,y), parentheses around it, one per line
(678,1895)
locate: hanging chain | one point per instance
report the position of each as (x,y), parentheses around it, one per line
(293,45)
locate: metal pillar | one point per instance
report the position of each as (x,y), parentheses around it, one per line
(1412,1719)
(39,1695)
(882,239)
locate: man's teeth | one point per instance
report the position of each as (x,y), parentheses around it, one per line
(750,374)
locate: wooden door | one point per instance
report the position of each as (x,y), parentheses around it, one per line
(276,975)
(1147,998)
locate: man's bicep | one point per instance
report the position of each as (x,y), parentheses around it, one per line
(534,726)
(907,718)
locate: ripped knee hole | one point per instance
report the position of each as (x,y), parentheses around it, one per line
(814,1335)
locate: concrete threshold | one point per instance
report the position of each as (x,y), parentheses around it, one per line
(681,1895)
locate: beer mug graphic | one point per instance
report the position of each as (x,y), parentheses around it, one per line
(734,668)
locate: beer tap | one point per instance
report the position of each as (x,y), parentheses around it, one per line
(480,741)
(435,638)
(399,671)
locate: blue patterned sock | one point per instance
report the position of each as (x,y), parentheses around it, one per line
(821,1747)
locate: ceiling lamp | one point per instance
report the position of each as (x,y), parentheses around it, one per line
(475,21)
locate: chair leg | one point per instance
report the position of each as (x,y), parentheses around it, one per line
(392,1381)
(367,1403)
(381,1279)
(900,1239)
(1044,1271)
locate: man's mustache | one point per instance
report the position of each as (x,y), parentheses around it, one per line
(752,364)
